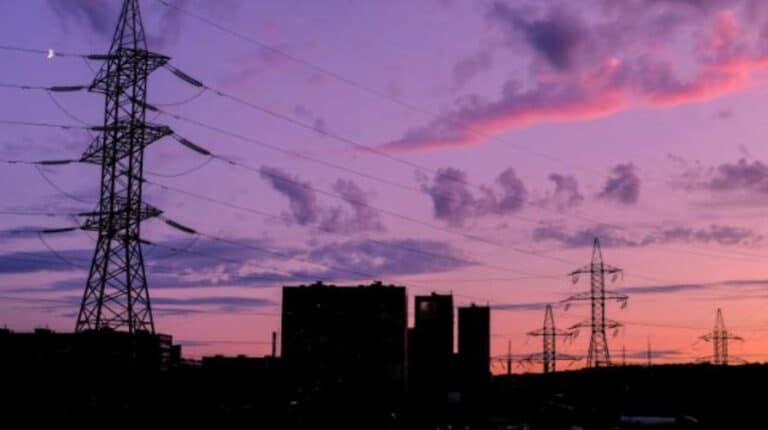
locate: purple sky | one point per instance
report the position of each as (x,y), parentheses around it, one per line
(506,135)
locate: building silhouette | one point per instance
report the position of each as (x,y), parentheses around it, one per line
(345,340)
(72,352)
(473,367)
(430,366)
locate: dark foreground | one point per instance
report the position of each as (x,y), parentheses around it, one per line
(264,396)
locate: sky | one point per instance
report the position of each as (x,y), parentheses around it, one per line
(472,147)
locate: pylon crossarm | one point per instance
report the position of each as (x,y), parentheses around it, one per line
(581,271)
(611,295)
(707,337)
(151,60)
(576,297)
(582,324)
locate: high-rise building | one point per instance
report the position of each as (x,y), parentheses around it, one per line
(431,345)
(473,369)
(345,339)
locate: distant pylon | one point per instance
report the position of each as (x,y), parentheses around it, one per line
(650,356)
(549,334)
(116,294)
(597,354)
(720,338)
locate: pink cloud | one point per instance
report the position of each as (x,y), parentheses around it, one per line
(723,62)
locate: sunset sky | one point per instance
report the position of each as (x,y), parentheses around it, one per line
(504,136)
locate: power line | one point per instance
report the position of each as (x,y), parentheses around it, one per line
(338,196)
(183,172)
(44,124)
(394,158)
(59,189)
(184,101)
(379,242)
(195,82)
(48,52)
(55,253)
(284,151)
(345,80)
(34,213)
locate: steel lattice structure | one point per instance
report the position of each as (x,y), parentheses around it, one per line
(549,334)
(116,294)
(598,354)
(719,337)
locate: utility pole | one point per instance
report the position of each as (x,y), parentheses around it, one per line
(116,295)
(719,337)
(650,362)
(549,334)
(624,355)
(509,357)
(274,344)
(598,354)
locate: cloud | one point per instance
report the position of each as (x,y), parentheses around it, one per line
(580,238)
(454,202)
(723,114)
(98,15)
(319,124)
(555,37)
(169,27)
(363,217)
(623,186)
(257,263)
(566,193)
(302,111)
(356,260)
(306,211)
(223,303)
(721,234)
(163,25)
(584,67)
(390,257)
(44,261)
(346,260)
(703,286)
(742,176)
(303,202)
(611,236)
(468,68)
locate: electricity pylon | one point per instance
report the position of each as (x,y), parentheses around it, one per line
(719,337)
(597,355)
(549,334)
(116,294)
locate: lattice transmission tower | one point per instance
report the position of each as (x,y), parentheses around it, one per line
(598,354)
(549,334)
(719,337)
(116,294)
